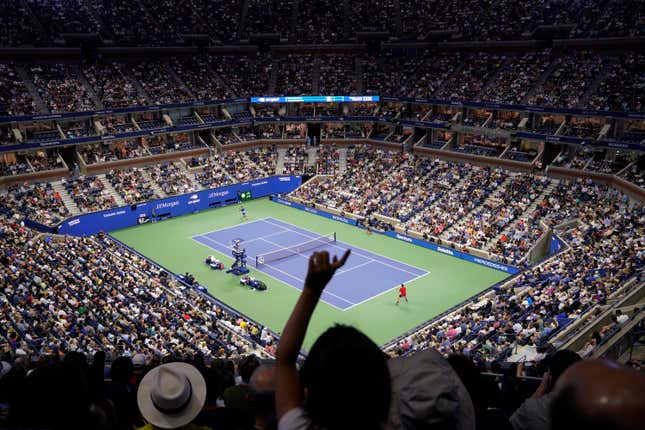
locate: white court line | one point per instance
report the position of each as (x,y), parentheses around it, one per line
(286,229)
(277,279)
(229,228)
(355,247)
(307,257)
(341,271)
(303,281)
(386,291)
(370,261)
(214,241)
(244,242)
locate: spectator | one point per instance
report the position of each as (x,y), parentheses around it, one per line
(327,368)
(533,414)
(263,382)
(246,367)
(599,395)
(171,396)
(427,393)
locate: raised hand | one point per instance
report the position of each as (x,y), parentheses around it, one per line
(321,270)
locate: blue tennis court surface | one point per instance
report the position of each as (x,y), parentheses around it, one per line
(364,276)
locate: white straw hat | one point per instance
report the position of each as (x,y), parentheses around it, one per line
(171,395)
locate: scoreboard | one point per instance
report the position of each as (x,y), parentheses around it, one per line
(316,99)
(244,196)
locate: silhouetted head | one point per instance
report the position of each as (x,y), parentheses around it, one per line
(599,395)
(246,366)
(347,381)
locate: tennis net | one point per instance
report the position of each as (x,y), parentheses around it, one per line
(289,251)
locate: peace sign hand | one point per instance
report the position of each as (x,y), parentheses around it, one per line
(321,270)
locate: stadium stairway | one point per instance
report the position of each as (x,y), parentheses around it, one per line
(279,165)
(609,63)
(154,184)
(137,85)
(273,77)
(90,90)
(33,92)
(191,178)
(67,199)
(494,80)
(215,76)
(358,74)
(108,186)
(342,160)
(315,76)
(312,156)
(540,80)
(172,75)
(459,223)
(526,215)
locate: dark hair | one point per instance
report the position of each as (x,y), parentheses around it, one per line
(470,377)
(347,381)
(53,396)
(121,370)
(561,361)
(247,366)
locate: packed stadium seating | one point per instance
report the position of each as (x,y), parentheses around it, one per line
(508,132)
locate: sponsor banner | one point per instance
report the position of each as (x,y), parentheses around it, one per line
(454,253)
(155,210)
(314,211)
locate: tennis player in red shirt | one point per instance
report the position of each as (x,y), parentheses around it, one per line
(403,294)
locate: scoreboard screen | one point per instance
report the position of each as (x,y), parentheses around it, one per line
(315,99)
(244,196)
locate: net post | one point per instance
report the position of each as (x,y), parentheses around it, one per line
(334,236)
(256,261)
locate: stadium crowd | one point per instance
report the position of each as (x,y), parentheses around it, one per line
(110,323)
(141,22)
(112,87)
(588,79)
(603,256)
(95,336)
(132,185)
(59,87)
(172,178)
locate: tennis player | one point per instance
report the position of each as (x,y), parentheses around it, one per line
(403,294)
(243,212)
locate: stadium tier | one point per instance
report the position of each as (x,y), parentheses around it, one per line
(480,164)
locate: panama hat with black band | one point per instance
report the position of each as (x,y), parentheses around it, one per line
(171,395)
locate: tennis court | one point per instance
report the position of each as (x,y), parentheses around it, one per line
(378,263)
(284,247)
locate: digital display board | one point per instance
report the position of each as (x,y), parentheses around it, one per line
(315,99)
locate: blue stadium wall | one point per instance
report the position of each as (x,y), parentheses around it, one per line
(128,216)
